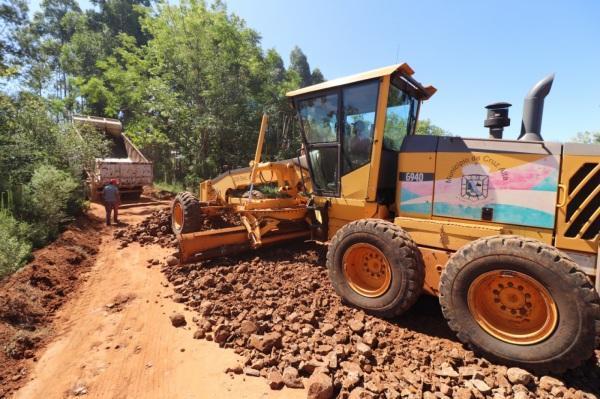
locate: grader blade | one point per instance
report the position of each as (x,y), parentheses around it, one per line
(210,244)
(193,245)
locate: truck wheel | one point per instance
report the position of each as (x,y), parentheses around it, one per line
(519,301)
(374,265)
(185,213)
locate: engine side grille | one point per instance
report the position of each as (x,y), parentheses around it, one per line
(582,211)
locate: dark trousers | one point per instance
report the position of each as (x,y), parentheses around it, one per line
(111,206)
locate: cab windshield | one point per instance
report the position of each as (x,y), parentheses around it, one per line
(338,127)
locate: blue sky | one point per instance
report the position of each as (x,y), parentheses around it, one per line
(473,52)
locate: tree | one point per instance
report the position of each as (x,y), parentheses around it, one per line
(121,16)
(425,127)
(299,64)
(316,76)
(195,91)
(13,15)
(587,137)
(41,44)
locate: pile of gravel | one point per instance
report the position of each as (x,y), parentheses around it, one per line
(277,309)
(155,229)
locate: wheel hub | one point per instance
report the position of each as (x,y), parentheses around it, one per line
(177,215)
(367,270)
(513,307)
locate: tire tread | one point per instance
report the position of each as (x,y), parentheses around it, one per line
(400,238)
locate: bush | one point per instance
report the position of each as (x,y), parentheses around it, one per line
(48,197)
(14,246)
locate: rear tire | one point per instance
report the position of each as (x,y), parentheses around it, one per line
(376,242)
(560,297)
(185,213)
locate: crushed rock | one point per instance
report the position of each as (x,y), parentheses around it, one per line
(277,309)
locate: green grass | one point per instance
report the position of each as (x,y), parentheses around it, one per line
(170,187)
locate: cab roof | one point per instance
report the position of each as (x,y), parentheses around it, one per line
(403,69)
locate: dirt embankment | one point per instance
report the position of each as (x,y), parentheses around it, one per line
(277,309)
(30,298)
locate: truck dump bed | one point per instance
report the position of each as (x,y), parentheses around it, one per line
(126,163)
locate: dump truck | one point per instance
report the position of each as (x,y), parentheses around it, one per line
(504,232)
(126,163)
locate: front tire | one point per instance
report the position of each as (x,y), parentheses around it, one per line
(185,213)
(519,301)
(375,265)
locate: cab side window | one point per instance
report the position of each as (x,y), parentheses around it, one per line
(319,117)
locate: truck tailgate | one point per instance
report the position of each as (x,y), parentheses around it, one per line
(129,174)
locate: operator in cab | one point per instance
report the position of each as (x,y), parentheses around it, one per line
(112,199)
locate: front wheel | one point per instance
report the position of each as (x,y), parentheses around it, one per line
(375,265)
(185,213)
(522,302)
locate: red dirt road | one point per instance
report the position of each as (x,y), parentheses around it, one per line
(114,338)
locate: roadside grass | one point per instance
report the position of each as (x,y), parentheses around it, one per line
(174,188)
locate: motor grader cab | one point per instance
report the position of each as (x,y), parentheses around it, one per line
(504,232)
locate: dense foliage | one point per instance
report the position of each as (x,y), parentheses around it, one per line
(41,169)
(189,81)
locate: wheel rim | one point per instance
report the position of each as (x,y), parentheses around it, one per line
(177,216)
(367,270)
(512,307)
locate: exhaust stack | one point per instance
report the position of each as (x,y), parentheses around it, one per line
(533,109)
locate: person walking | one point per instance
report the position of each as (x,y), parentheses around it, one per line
(112,199)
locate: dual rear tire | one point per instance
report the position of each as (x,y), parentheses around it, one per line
(512,299)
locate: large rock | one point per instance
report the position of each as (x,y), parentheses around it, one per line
(547,383)
(356,325)
(463,393)
(264,343)
(480,385)
(447,371)
(248,327)
(221,334)
(363,349)
(291,379)
(518,376)
(206,308)
(251,372)
(327,329)
(172,261)
(178,320)
(521,395)
(275,380)
(320,386)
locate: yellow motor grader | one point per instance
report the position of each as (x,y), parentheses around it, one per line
(504,232)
